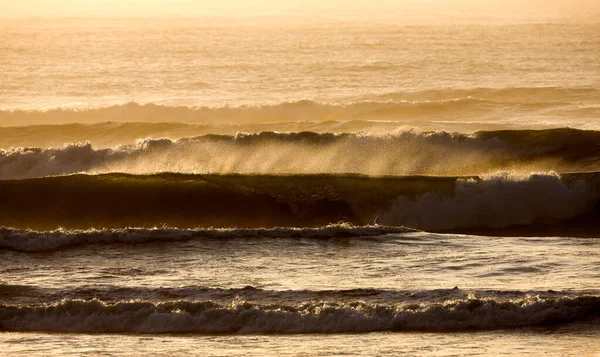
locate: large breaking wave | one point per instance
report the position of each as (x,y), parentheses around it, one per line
(544,203)
(436,181)
(404,153)
(497,201)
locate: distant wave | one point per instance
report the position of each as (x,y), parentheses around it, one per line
(432,104)
(303,110)
(239,317)
(543,203)
(514,95)
(404,153)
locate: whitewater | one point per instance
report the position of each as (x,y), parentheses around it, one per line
(228,187)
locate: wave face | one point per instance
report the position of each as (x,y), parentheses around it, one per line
(404,153)
(538,203)
(182,316)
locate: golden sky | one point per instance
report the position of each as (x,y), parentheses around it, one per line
(508,8)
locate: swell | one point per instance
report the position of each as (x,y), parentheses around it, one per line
(437,104)
(240,317)
(542,204)
(403,153)
(303,110)
(515,95)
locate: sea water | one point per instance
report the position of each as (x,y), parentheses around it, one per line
(188,186)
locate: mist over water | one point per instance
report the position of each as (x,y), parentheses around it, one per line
(401,154)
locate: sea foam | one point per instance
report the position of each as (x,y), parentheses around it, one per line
(309,317)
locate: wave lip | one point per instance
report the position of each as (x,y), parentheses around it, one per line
(401,153)
(308,317)
(34,241)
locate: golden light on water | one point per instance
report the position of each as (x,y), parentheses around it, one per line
(286,177)
(359,8)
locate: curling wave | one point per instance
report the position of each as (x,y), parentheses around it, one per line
(542,204)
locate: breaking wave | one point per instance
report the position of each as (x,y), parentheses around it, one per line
(404,153)
(181,316)
(543,203)
(33,241)
(496,201)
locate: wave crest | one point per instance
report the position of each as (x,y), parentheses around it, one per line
(404,153)
(34,241)
(393,106)
(309,317)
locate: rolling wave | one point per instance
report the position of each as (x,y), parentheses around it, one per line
(404,153)
(543,204)
(436,104)
(32,241)
(238,316)
(13,293)
(514,95)
(496,201)
(302,110)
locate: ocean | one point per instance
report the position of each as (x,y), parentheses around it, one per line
(221,186)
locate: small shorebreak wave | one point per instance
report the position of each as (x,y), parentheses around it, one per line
(243,317)
(34,241)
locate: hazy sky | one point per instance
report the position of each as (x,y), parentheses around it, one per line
(498,8)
